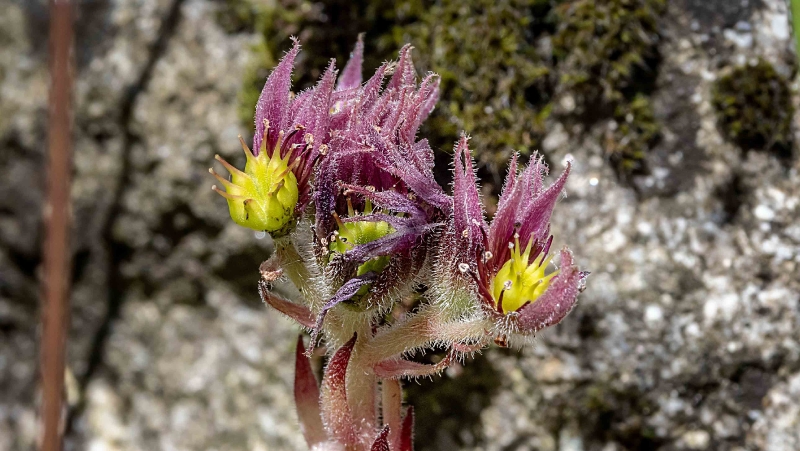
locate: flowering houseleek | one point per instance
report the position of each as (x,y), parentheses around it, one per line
(509,261)
(378,232)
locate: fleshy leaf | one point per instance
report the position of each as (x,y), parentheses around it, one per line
(407,433)
(297,312)
(382,442)
(306,398)
(335,410)
(392,409)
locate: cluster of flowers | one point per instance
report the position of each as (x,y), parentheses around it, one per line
(339,179)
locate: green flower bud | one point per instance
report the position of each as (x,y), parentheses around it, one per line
(354,233)
(265,195)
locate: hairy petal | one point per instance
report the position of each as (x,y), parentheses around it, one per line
(468,219)
(351,75)
(306,398)
(390,200)
(537,215)
(335,409)
(404,72)
(273,103)
(395,221)
(556,302)
(315,116)
(509,184)
(420,106)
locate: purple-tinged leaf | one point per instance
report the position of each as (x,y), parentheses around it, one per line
(382,442)
(336,414)
(306,398)
(347,291)
(297,312)
(396,368)
(407,433)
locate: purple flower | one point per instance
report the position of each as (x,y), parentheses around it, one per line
(508,260)
(376,199)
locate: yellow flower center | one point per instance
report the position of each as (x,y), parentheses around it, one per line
(520,281)
(264,196)
(354,233)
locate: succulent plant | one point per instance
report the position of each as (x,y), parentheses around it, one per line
(344,160)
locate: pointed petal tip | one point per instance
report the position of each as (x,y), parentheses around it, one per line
(381,443)
(351,75)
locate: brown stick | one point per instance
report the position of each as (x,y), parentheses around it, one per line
(55,283)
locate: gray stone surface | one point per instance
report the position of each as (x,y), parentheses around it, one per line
(688,336)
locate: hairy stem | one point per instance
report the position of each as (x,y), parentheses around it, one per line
(421,330)
(292,264)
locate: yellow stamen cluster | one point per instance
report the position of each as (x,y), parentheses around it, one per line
(264,195)
(520,281)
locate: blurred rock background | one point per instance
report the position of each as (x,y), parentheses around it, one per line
(684,203)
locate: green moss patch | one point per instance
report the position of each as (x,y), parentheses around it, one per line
(754,108)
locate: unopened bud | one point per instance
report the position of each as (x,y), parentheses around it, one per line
(264,195)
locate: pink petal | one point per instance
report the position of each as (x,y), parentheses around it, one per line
(351,75)
(273,103)
(537,215)
(404,72)
(468,221)
(556,302)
